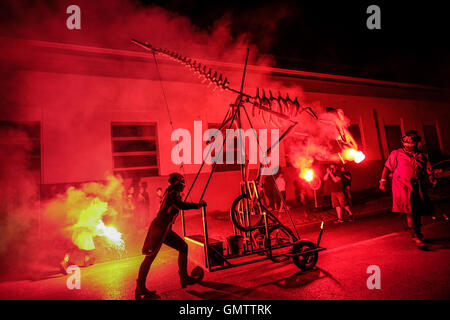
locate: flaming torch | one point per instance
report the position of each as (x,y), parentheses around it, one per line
(307,174)
(314,182)
(351,154)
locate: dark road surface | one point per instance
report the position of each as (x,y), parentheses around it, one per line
(341,273)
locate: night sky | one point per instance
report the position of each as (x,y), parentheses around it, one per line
(332,37)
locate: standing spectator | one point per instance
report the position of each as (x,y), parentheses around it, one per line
(300,191)
(129,203)
(143,205)
(347,182)
(280,192)
(337,192)
(411,171)
(159,195)
(300,186)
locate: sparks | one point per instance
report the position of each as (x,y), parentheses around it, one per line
(110,233)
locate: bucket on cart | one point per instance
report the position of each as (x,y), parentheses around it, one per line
(236,244)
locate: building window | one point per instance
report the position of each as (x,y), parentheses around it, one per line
(21,141)
(432,142)
(135,149)
(393,137)
(225,167)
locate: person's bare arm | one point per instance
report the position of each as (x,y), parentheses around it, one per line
(334,178)
(384,176)
(430,173)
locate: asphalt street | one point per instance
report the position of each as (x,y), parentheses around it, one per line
(341,272)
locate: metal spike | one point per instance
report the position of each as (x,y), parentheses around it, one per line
(271,96)
(297,105)
(287,97)
(280,106)
(225,83)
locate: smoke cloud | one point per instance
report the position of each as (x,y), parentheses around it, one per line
(108,24)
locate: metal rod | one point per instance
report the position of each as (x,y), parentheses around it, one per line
(266,258)
(245,71)
(221,149)
(266,229)
(204,161)
(282,137)
(315,199)
(205,235)
(320,235)
(182,223)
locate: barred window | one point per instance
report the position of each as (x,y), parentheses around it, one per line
(135,149)
(24,137)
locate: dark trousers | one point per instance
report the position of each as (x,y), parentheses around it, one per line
(158,234)
(414,222)
(270,195)
(280,197)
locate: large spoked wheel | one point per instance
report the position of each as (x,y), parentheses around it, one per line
(238,213)
(305,261)
(278,236)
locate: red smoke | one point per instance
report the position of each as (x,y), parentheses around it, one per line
(76,106)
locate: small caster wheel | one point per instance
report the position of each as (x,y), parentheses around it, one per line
(306,261)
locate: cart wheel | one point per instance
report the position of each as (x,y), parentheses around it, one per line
(306,261)
(280,235)
(198,273)
(238,216)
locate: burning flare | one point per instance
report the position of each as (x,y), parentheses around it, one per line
(307,174)
(111,234)
(90,225)
(353,155)
(81,212)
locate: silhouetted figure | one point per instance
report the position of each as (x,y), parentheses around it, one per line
(143,205)
(347,184)
(160,232)
(159,195)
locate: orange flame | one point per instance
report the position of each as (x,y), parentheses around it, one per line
(86,208)
(353,155)
(110,233)
(307,174)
